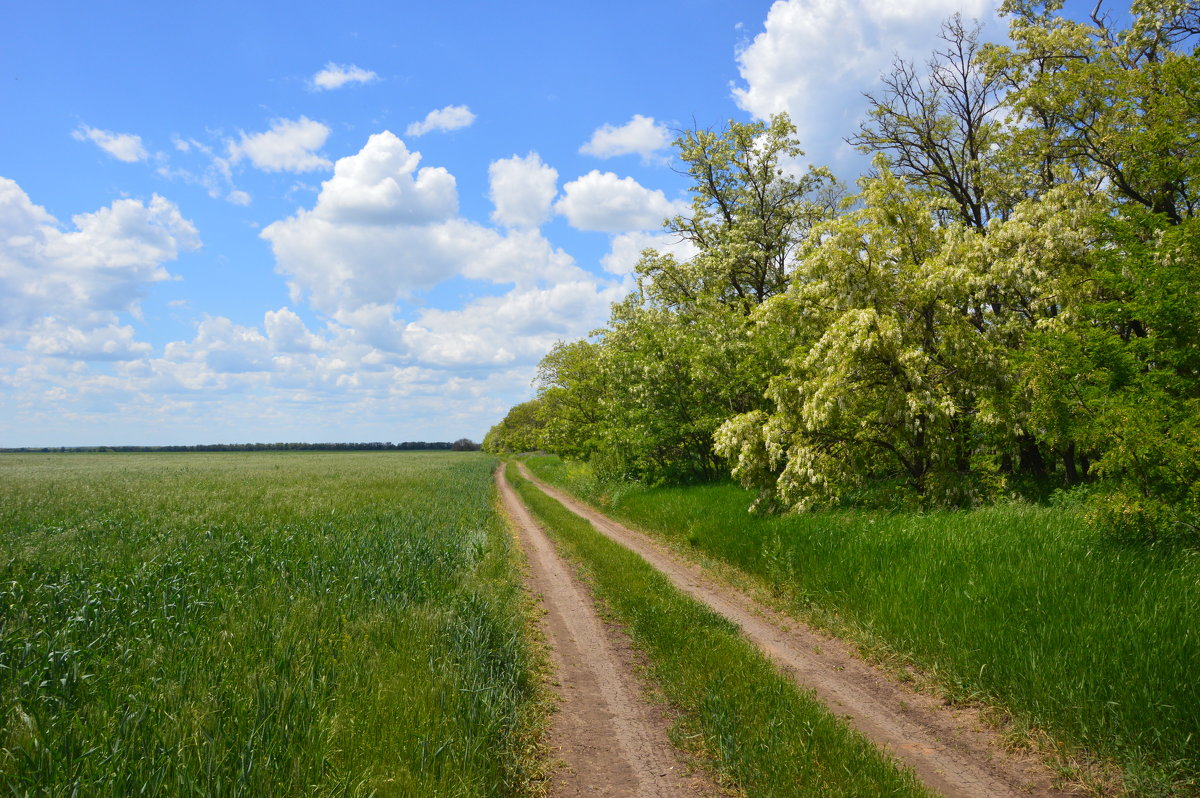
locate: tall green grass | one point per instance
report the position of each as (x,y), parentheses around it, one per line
(1094,642)
(765,736)
(258,624)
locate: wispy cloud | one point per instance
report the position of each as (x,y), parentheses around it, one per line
(123,146)
(289,146)
(452,117)
(334,76)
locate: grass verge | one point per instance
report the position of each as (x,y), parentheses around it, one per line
(1019,606)
(764,735)
(535,758)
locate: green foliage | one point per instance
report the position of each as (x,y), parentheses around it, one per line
(751,210)
(1120,374)
(680,355)
(1010,303)
(1115,373)
(891,368)
(258,624)
(572,386)
(955,317)
(1102,103)
(521,430)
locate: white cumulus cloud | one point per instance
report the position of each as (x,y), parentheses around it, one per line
(56,338)
(334,76)
(641,135)
(519,327)
(603,201)
(382,228)
(522,257)
(382,184)
(224,348)
(814,54)
(289,146)
(452,117)
(287,333)
(627,248)
(123,146)
(522,189)
(88,274)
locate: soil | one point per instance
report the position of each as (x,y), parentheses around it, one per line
(608,737)
(949,748)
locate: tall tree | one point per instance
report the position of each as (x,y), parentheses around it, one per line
(1118,106)
(888,382)
(939,127)
(752,206)
(519,431)
(573,396)
(1118,109)
(679,355)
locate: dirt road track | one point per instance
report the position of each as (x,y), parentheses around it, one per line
(612,741)
(950,751)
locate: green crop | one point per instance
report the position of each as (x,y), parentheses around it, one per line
(258,624)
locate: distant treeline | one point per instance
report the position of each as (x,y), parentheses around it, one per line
(460,445)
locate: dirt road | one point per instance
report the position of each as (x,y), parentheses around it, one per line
(950,750)
(612,741)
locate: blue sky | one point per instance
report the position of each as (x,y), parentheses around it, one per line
(230,222)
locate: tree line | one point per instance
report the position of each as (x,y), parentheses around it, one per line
(1009,300)
(460,445)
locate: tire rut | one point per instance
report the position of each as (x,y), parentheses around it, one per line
(612,741)
(949,749)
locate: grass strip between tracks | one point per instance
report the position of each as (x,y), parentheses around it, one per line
(764,735)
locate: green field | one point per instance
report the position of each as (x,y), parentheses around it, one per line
(1019,605)
(352,624)
(259,624)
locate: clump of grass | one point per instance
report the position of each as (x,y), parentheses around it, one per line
(258,624)
(766,737)
(1023,606)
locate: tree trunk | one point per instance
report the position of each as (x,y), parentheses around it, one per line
(1069,464)
(1032,463)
